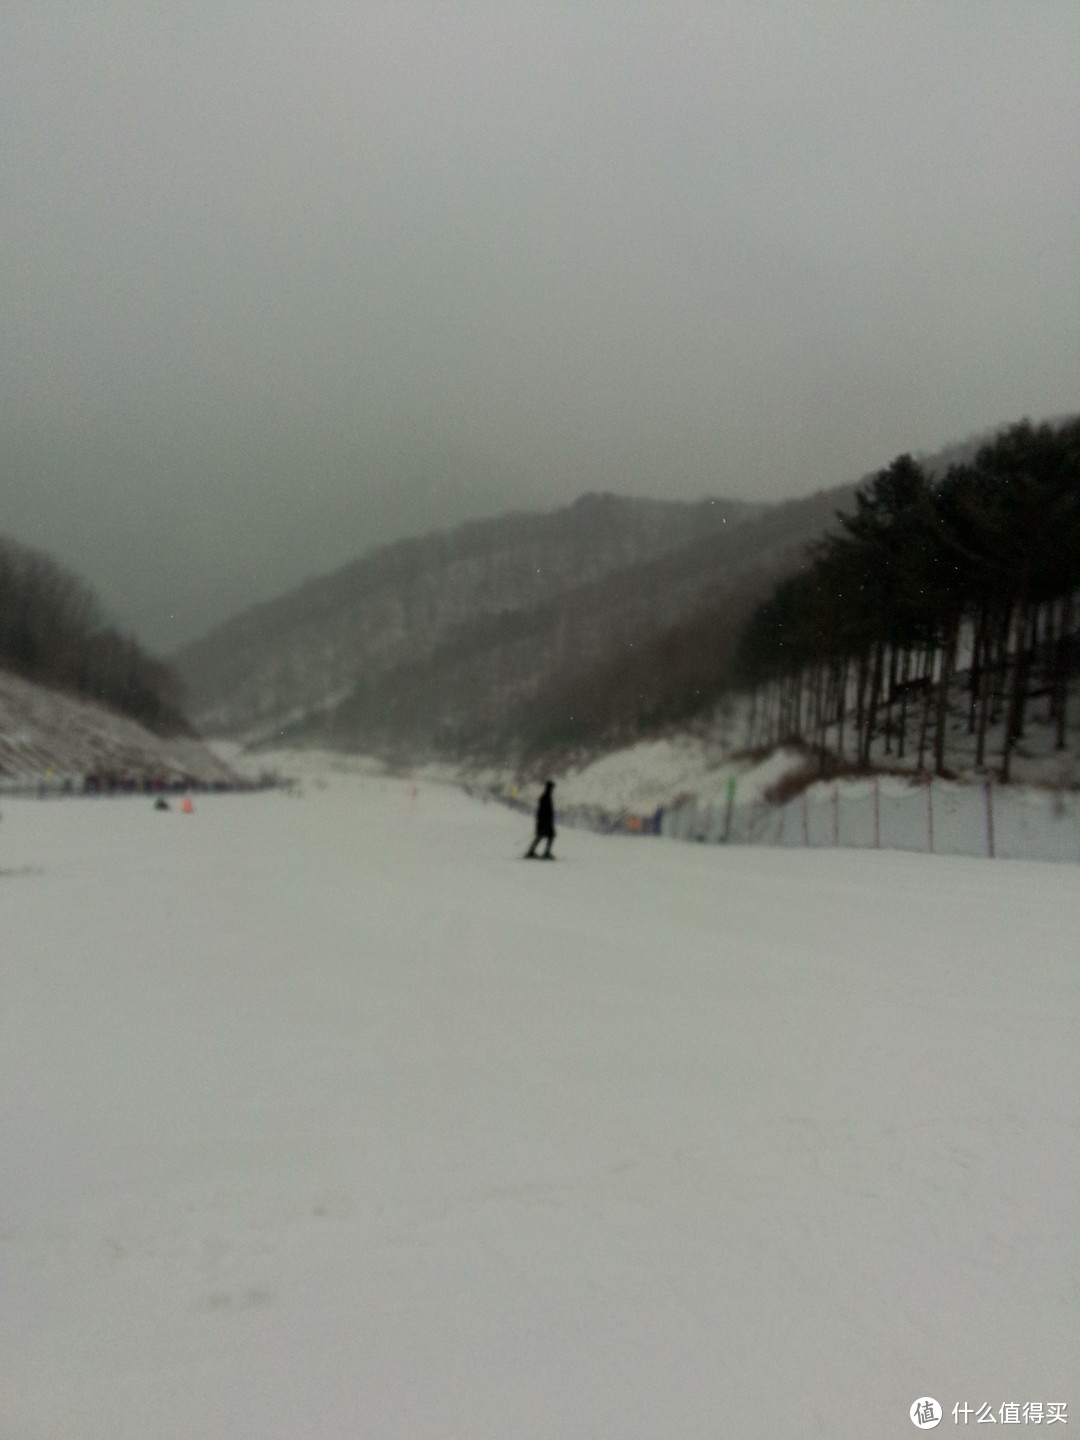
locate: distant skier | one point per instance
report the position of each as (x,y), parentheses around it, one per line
(545,824)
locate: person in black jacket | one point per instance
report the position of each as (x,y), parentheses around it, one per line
(545,824)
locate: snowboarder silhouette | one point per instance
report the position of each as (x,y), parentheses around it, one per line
(545,824)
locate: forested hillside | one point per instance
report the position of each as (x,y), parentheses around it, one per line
(877,624)
(440,600)
(475,642)
(941,619)
(663,637)
(52,633)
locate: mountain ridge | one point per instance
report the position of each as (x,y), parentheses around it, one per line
(400,601)
(441,641)
(528,634)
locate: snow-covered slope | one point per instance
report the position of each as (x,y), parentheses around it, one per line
(49,737)
(329,1117)
(663,772)
(691,766)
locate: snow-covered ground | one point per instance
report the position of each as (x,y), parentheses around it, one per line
(328,1117)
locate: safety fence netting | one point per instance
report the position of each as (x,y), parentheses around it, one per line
(887,813)
(931,816)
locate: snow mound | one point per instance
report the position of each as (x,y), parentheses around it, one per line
(660,772)
(314,766)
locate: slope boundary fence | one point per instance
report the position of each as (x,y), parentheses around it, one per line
(929,817)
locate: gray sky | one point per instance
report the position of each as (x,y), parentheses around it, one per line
(279,282)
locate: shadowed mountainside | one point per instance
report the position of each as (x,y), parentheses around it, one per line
(483,638)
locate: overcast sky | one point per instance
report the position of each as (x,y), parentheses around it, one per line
(279,282)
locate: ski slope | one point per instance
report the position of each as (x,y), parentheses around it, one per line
(326,1118)
(51,738)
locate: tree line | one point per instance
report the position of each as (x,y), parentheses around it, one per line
(53,633)
(943,599)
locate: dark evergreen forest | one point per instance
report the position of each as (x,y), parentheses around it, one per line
(945,602)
